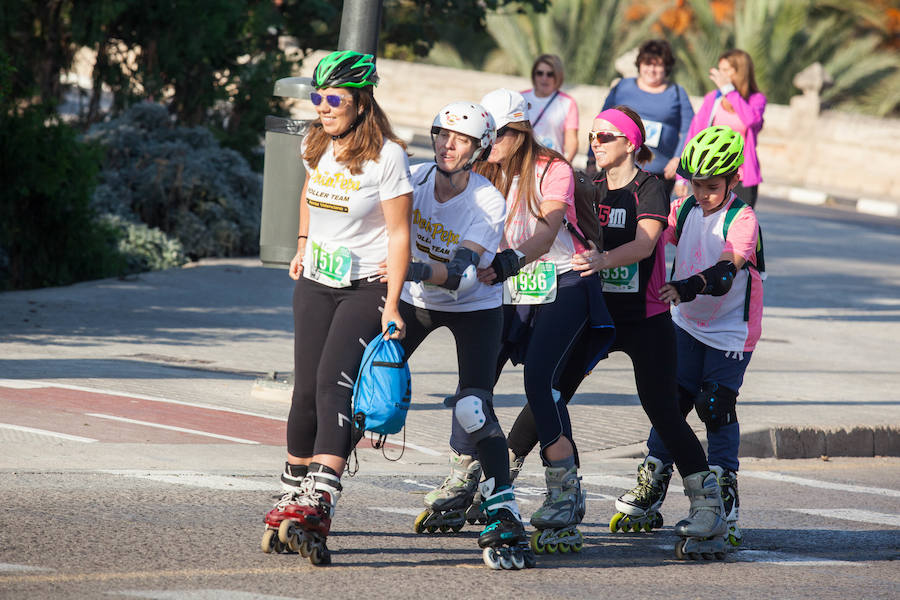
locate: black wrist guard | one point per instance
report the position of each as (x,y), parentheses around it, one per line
(688,288)
(719,278)
(418,272)
(505,265)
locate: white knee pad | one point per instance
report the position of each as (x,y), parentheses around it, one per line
(469,412)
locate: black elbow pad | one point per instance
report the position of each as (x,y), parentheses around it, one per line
(719,278)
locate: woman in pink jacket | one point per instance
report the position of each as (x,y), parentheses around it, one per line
(738,104)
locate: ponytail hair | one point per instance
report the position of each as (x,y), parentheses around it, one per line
(643,154)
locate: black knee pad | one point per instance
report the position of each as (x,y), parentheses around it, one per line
(473,409)
(715,405)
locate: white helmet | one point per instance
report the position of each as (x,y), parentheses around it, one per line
(470,119)
(506,106)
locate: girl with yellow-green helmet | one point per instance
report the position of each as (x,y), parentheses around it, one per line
(354,216)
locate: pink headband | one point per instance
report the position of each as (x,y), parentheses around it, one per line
(623,123)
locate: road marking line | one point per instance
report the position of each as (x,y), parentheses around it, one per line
(400,511)
(15,567)
(195,479)
(172,428)
(792,560)
(62,436)
(852,514)
(773,476)
(208,594)
(421,449)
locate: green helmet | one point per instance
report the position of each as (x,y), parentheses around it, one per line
(712,152)
(345,69)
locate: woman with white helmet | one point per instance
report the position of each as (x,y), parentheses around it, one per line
(548,307)
(457,224)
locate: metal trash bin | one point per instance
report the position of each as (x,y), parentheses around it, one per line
(283,177)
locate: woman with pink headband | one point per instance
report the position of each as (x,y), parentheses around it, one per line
(633,209)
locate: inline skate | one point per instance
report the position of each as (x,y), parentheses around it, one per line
(504,539)
(562,511)
(639,507)
(449,506)
(474,514)
(301,520)
(731,501)
(703,531)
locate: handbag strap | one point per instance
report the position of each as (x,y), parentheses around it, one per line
(541,114)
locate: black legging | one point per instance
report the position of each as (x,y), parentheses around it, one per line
(331,329)
(477,335)
(650,344)
(554,330)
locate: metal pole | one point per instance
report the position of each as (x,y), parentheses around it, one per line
(360,23)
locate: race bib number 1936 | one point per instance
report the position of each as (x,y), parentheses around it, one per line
(329,267)
(535,284)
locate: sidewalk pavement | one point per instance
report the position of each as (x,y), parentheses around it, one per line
(823,380)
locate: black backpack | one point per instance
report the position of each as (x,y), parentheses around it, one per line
(585,210)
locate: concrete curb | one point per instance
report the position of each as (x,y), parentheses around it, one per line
(812,442)
(869,206)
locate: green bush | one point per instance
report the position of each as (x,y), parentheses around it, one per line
(179,180)
(48,233)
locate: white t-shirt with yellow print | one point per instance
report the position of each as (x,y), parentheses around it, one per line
(345,209)
(476,214)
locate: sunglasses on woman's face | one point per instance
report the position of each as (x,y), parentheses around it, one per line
(540,73)
(333,100)
(604,137)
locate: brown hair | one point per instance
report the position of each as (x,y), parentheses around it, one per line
(521,162)
(644,154)
(656,49)
(555,63)
(744,78)
(364,142)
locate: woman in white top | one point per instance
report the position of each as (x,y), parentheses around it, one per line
(552,112)
(457,225)
(354,216)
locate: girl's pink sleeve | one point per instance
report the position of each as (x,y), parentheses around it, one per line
(742,234)
(559,182)
(572,115)
(749,111)
(669,233)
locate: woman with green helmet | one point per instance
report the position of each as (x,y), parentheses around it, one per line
(354,215)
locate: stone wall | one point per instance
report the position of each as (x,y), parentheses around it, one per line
(841,153)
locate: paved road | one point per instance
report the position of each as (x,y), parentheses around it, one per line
(134,462)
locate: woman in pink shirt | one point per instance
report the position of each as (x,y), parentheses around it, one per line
(738,104)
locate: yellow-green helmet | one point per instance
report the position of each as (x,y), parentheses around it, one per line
(713,152)
(345,69)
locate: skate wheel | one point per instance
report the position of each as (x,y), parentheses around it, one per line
(418,525)
(444,528)
(277,546)
(431,528)
(530,558)
(457,528)
(286,535)
(506,562)
(304,547)
(679,549)
(268,539)
(491,558)
(648,527)
(636,527)
(518,559)
(720,555)
(319,555)
(564,548)
(707,555)
(551,548)
(535,543)
(614,522)
(657,521)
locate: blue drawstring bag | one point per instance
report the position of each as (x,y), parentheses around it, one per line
(382,391)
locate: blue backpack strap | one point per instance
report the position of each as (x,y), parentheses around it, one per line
(680,219)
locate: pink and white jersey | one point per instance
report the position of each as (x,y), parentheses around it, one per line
(718,321)
(558,116)
(558,186)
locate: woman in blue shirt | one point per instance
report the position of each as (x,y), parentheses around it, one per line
(663,106)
